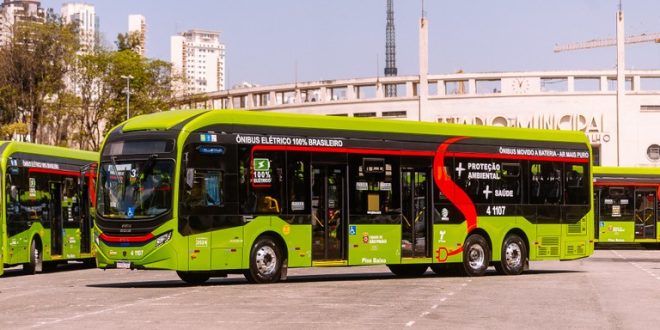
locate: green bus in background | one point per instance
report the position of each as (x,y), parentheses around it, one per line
(214,192)
(626,204)
(45,216)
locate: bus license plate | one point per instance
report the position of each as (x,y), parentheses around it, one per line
(123,265)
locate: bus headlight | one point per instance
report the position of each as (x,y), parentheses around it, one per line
(162,239)
(96,239)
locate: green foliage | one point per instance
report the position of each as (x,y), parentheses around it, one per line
(7,131)
(128,41)
(65,98)
(34,64)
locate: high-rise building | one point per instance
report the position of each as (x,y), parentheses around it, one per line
(138,25)
(199,56)
(84,16)
(12,11)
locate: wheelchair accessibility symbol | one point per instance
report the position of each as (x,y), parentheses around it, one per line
(352,230)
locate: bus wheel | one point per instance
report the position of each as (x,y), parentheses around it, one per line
(36,259)
(413,270)
(476,255)
(193,277)
(265,261)
(514,255)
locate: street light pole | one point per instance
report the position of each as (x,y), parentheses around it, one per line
(128,94)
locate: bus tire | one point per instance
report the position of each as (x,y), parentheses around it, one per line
(514,256)
(35,265)
(193,278)
(412,270)
(476,255)
(266,261)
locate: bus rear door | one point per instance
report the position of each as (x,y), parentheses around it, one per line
(415,226)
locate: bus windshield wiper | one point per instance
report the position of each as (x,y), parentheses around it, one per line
(147,167)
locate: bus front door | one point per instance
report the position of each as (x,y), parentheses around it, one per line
(55,213)
(415,226)
(645,213)
(328,216)
(86,205)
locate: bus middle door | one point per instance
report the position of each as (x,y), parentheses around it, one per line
(645,213)
(328,216)
(55,214)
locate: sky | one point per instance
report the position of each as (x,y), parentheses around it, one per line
(276,42)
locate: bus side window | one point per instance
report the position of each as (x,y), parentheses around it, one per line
(553,180)
(261,181)
(508,185)
(536,195)
(576,191)
(206,189)
(545,183)
(298,186)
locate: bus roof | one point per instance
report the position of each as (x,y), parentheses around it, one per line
(9,147)
(201,118)
(601,170)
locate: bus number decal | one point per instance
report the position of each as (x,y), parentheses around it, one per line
(496,210)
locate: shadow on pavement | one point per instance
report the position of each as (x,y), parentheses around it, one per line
(73,265)
(214,281)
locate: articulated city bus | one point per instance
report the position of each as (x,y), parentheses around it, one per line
(626,204)
(213,192)
(45,216)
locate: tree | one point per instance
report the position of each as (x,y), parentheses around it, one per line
(95,94)
(151,86)
(129,41)
(33,65)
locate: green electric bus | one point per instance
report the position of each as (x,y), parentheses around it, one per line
(213,192)
(45,216)
(626,204)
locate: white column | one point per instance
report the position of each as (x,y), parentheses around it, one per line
(423,87)
(620,79)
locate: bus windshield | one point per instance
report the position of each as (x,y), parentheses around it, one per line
(135,189)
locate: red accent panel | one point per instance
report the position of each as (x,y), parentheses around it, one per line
(443,253)
(126,239)
(91,183)
(520,157)
(454,193)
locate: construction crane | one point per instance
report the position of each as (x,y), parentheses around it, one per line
(652,37)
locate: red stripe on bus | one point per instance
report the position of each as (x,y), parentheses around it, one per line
(454,193)
(518,157)
(51,171)
(126,239)
(415,153)
(346,150)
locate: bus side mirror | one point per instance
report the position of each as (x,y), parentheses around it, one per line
(190,177)
(12,170)
(13,192)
